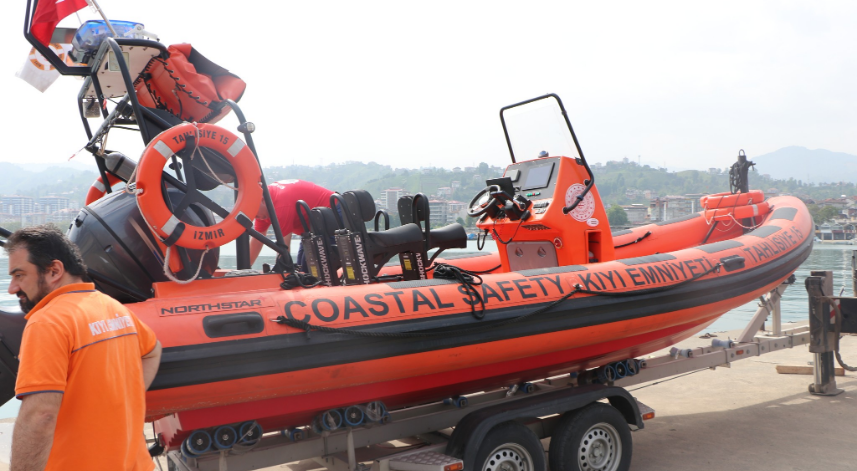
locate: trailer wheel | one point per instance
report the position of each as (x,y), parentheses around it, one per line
(595,438)
(511,446)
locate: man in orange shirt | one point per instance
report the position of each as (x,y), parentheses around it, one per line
(81,375)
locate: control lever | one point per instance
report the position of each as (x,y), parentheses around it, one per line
(514,206)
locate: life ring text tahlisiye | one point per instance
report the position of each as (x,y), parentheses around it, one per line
(150,196)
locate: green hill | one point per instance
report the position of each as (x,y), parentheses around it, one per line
(618,183)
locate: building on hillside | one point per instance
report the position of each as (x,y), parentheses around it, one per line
(389,199)
(444,191)
(53,204)
(439,212)
(455,184)
(63,216)
(838,203)
(632,193)
(637,213)
(16,205)
(454,210)
(671,207)
(33,219)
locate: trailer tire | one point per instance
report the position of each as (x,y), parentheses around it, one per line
(510,446)
(595,438)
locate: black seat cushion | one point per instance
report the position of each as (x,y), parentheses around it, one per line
(396,237)
(323,221)
(452,236)
(360,205)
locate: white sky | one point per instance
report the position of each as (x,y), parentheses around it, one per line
(412,84)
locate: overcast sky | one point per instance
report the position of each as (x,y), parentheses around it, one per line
(412,84)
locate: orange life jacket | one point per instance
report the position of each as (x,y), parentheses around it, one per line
(188,85)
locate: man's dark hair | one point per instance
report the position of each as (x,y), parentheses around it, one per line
(45,244)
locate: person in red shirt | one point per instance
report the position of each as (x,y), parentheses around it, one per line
(85,363)
(284,195)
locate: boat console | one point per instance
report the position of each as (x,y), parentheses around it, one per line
(526,213)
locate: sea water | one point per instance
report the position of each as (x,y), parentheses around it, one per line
(794,304)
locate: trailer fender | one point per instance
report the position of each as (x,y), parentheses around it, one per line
(469,432)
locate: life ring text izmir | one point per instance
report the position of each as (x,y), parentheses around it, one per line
(150,196)
(98,189)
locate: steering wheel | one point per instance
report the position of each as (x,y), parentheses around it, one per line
(483,201)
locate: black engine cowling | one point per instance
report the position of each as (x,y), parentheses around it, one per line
(121,252)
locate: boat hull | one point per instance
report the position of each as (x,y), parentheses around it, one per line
(287,378)
(229,358)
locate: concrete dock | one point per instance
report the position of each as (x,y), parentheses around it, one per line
(749,417)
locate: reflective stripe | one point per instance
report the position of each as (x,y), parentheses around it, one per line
(236,147)
(170,225)
(755,210)
(99,186)
(163,149)
(109,338)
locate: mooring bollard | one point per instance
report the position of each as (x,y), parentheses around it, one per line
(823,341)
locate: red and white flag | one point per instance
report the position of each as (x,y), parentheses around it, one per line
(48,14)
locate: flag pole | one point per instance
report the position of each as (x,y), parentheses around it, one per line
(98,8)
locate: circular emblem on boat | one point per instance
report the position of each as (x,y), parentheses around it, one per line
(584,210)
(592,222)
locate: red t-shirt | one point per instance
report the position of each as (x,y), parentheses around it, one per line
(284,195)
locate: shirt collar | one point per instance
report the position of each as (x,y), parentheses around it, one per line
(71,287)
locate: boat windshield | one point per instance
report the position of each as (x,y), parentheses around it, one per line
(538,126)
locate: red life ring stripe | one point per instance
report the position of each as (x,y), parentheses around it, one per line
(98,190)
(150,197)
(743,212)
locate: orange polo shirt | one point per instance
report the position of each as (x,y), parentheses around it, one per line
(87,346)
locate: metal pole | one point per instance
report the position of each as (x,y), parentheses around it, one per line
(776,319)
(854,273)
(819,287)
(101,12)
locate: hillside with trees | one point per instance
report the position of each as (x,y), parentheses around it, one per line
(619,183)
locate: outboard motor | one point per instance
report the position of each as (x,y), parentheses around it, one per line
(122,255)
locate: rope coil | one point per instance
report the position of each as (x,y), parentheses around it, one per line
(173,277)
